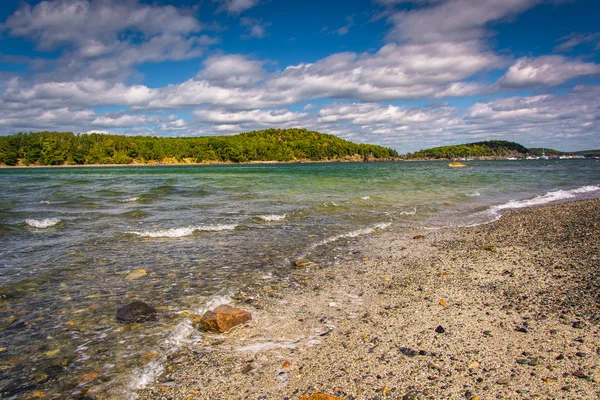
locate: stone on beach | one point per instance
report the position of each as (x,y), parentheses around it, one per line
(320,396)
(137,311)
(222,319)
(138,273)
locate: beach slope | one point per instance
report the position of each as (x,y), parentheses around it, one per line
(509,309)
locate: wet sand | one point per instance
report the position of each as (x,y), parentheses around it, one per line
(508,310)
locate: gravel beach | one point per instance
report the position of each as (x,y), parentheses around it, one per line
(509,309)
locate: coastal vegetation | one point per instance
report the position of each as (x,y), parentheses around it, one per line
(490,148)
(494,149)
(66,148)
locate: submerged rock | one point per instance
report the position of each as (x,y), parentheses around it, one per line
(138,311)
(222,319)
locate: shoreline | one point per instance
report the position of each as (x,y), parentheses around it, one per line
(517,300)
(213,163)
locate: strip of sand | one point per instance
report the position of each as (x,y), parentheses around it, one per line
(509,309)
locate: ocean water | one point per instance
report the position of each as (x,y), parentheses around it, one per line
(71,237)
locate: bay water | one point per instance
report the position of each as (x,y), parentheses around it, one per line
(78,243)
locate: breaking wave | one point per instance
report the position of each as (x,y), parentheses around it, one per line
(546,198)
(183,231)
(272,217)
(42,223)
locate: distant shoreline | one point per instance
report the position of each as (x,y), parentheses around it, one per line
(211,163)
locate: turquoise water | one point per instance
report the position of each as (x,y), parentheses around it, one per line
(69,238)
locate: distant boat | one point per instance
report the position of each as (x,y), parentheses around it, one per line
(456,164)
(544,156)
(511,158)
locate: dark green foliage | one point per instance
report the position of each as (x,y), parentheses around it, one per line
(491,148)
(587,153)
(59,148)
(538,151)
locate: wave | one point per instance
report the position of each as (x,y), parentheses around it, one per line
(351,234)
(272,217)
(130,199)
(45,202)
(545,198)
(42,223)
(183,231)
(474,193)
(365,198)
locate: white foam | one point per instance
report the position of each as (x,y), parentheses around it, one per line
(352,234)
(130,199)
(143,376)
(183,231)
(180,335)
(413,212)
(545,198)
(45,202)
(365,197)
(272,217)
(42,223)
(214,301)
(474,193)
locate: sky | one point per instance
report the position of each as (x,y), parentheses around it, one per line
(405,74)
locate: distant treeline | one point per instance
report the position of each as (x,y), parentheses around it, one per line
(490,148)
(66,148)
(493,149)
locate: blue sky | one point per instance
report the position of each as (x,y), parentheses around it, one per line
(407,74)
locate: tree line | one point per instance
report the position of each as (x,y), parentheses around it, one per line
(67,148)
(490,148)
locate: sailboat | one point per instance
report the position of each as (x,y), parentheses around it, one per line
(544,156)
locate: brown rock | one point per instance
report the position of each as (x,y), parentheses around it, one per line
(419,237)
(320,396)
(223,318)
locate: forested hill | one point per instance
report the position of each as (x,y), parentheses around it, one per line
(65,148)
(491,148)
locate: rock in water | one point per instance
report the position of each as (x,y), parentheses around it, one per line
(223,318)
(138,311)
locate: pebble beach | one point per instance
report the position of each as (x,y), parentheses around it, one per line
(509,309)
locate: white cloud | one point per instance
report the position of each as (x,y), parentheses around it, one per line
(545,71)
(575,39)
(344,30)
(453,20)
(107,38)
(232,71)
(236,6)
(256,28)
(260,117)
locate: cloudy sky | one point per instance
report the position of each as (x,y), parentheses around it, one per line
(407,74)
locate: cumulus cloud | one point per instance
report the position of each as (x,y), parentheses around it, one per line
(278,118)
(453,20)
(106,38)
(545,71)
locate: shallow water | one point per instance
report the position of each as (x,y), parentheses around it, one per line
(69,238)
